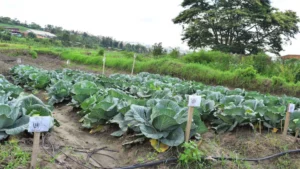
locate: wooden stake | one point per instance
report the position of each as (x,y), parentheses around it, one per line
(19,61)
(189,124)
(260,127)
(133,64)
(296,135)
(281,125)
(287,122)
(35,149)
(103,68)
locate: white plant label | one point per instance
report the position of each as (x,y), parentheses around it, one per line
(39,124)
(292,108)
(68,62)
(19,60)
(194,101)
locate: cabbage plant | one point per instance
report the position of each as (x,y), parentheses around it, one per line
(16,108)
(11,121)
(165,121)
(82,90)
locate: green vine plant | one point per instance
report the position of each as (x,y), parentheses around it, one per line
(191,157)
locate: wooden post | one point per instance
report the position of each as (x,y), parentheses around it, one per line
(103,68)
(19,61)
(194,101)
(134,57)
(260,127)
(35,149)
(287,122)
(296,135)
(189,123)
(281,125)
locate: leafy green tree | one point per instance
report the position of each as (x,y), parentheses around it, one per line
(5,36)
(120,45)
(35,26)
(66,38)
(31,35)
(5,20)
(157,49)
(175,53)
(101,52)
(16,22)
(236,26)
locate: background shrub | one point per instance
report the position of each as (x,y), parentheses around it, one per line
(101,52)
(33,54)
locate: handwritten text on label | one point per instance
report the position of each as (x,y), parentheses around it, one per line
(39,124)
(194,101)
(292,108)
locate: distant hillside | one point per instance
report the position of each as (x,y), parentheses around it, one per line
(71,38)
(21,28)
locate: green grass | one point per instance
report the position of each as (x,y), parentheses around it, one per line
(12,46)
(12,156)
(13,26)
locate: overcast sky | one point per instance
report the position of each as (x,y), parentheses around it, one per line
(144,21)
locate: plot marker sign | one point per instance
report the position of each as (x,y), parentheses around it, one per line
(194,101)
(19,61)
(37,125)
(290,109)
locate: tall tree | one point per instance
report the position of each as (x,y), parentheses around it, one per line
(66,38)
(236,26)
(157,49)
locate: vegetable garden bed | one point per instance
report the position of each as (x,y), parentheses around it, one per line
(154,106)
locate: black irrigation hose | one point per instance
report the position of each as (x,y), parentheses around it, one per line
(216,158)
(258,159)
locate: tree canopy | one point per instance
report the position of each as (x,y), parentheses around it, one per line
(157,49)
(236,26)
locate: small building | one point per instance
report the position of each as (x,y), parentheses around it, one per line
(14,31)
(290,57)
(40,34)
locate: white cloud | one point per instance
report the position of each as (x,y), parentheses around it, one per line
(145,21)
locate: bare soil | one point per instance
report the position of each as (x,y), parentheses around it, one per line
(245,143)
(50,63)
(70,146)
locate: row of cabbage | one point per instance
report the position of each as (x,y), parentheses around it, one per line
(16,108)
(155,106)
